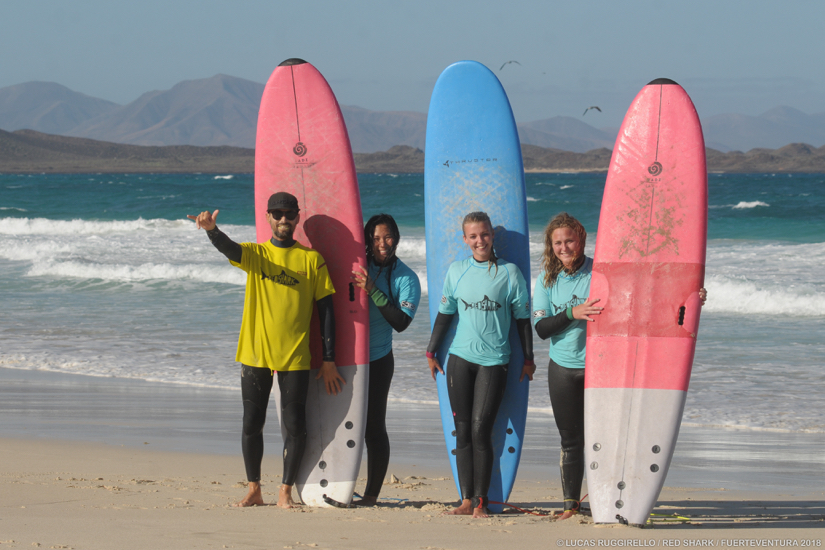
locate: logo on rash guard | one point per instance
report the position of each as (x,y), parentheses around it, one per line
(408,305)
(540,313)
(572,303)
(443,299)
(483,305)
(282,279)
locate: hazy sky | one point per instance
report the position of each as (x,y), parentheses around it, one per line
(731,56)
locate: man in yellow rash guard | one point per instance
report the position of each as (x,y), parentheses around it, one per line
(284,279)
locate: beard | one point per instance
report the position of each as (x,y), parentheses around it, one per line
(284,232)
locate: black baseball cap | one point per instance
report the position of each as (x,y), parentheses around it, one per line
(282,201)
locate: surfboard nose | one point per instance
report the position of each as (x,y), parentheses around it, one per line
(657,81)
(292,61)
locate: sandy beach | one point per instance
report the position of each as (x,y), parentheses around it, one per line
(78,495)
(110,463)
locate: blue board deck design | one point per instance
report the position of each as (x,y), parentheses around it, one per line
(473,162)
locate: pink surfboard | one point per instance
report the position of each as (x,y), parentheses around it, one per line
(648,267)
(303,148)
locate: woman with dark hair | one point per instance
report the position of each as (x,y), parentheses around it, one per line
(394,291)
(486,293)
(562,307)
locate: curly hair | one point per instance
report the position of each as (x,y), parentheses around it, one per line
(482,217)
(551,265)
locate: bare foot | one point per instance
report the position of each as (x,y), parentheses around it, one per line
(253,497)
(366,501)
(481,512)
(285,497)
(567,514)
(466,509)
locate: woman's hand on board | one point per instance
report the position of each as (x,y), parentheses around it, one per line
(583,311)
(362,279)
(528,370)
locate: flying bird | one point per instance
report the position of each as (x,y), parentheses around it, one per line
(512,61)
(591,107)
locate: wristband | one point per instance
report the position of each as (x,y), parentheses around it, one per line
(430,355)
(570,313)
(529,363)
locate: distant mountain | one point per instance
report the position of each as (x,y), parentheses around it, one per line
(48,107)
(373,131)
(565,133)
(772,129)
(223,110)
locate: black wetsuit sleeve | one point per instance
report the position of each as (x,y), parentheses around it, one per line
(396,317)
(525,335)
(549,326)
(440,327)
(326,315)
(225,245)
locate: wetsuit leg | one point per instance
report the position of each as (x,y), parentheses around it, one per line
(460,388)
(256,384)
(490,384)
(475,396)
(293,385)
(376,438)
(567,398)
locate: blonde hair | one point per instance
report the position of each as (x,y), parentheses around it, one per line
(551,265)
(482,217)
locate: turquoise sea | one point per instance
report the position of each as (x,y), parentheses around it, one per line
(103,275)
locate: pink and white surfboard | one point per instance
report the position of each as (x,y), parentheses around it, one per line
(648,267)
(303,148)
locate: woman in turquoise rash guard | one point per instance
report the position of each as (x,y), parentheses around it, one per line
(486,293)
(562,306)
(394,291)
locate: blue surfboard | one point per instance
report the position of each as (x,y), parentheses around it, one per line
(473,163)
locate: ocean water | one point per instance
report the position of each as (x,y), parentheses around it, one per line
(103,275)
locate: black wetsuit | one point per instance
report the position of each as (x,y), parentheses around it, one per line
(256,385)
(567,397)
(376,437)
(380,378)
(475,394)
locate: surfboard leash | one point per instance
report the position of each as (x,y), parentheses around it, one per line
(383,498)
(553,514)
(519,509)
(337,504)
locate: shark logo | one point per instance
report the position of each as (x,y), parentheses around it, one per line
(539,313)
(483,305)
(572,303)
(408,305)
(281,279)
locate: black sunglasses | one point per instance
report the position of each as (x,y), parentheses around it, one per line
(278,214)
